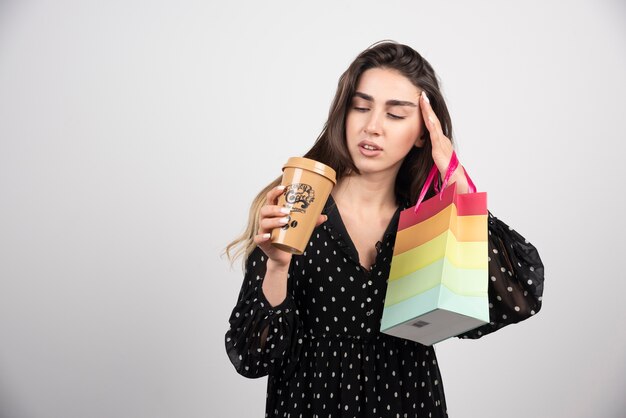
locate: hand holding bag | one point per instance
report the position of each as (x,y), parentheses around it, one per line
(438,282)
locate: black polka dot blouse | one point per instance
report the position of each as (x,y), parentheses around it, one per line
(324,353)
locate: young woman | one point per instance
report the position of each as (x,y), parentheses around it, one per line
(311,322)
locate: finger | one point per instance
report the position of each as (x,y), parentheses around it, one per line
(430,118)
(271,197)
(261,238)
(439,141)
(272,211)
(322,218)
(267,224)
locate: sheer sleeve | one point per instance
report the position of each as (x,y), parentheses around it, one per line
(262,339)
(515,279)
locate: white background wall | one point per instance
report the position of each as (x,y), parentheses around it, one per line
(134,134)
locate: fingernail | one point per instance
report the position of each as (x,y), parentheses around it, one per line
(284,220)
(430,120)
(425,97)
(281,187)
(286,211)
(267,236)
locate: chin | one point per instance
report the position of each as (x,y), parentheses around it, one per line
(370,168)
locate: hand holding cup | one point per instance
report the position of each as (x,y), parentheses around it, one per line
(274,216)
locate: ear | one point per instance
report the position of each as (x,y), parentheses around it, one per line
(419,142)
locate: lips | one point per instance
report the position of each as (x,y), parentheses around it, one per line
(369,149)
(370,146)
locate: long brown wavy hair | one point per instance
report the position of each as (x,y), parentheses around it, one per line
(330,147)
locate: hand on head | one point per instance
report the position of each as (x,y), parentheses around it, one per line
(441,145)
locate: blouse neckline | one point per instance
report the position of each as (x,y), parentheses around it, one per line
(339,232)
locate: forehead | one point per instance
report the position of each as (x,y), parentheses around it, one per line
(386,84)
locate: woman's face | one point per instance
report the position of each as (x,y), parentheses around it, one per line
(383,121)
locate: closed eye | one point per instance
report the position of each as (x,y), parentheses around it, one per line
(365,109)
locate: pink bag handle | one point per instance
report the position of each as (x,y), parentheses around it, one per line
(453,165)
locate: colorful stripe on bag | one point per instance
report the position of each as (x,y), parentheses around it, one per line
(473,204)
(443,245)
(464,228)
(437,298)
(468,255)
(464,282)
(438,281)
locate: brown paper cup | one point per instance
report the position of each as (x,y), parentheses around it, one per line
(307,186)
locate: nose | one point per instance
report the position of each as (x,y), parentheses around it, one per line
(373,125)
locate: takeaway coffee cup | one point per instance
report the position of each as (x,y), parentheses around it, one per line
(307,186)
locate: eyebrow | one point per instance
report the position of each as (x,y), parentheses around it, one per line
(392,102)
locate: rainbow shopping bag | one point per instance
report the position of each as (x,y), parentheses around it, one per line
(438,281)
